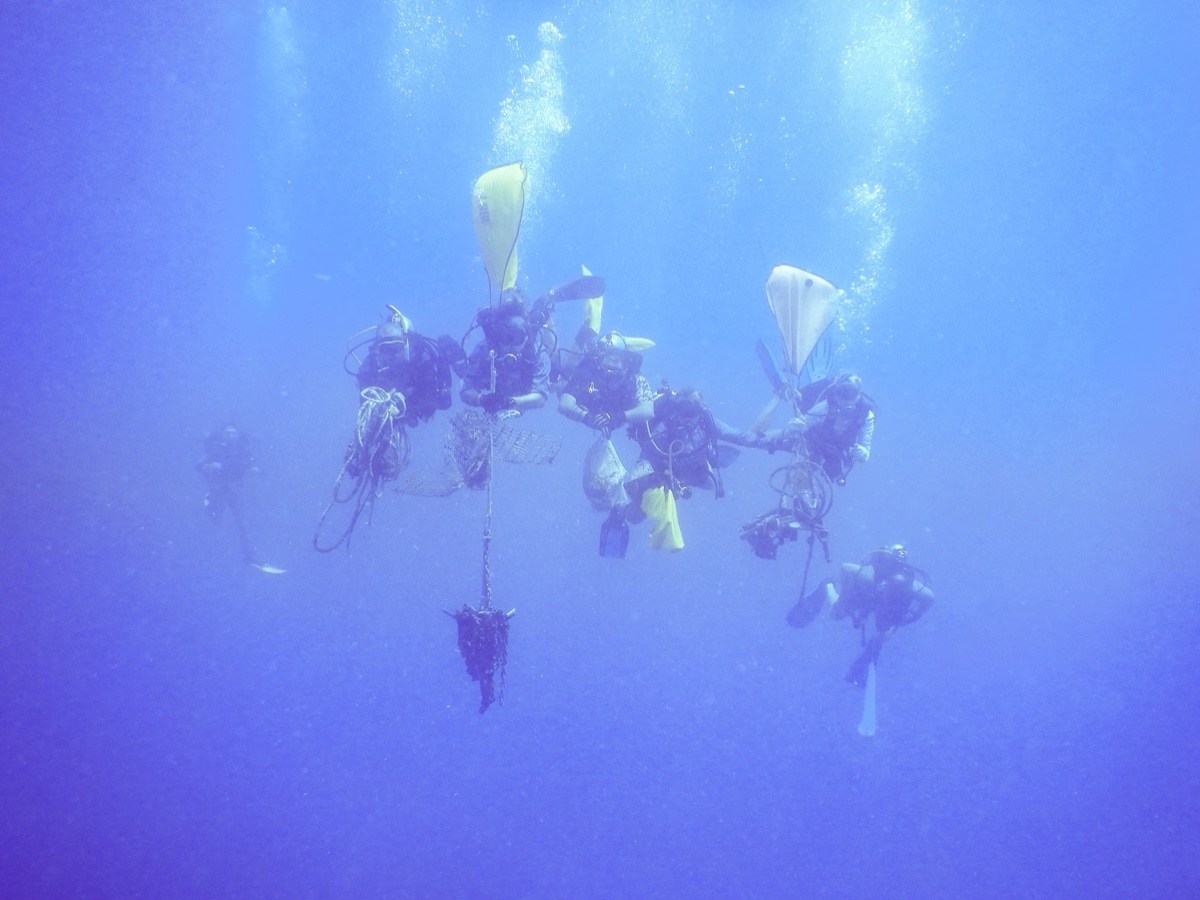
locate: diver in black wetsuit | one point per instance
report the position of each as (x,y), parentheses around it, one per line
(227,460)
(884,585)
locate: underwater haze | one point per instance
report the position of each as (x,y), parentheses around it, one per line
(202,202)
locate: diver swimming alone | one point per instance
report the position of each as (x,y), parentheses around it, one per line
(227,461)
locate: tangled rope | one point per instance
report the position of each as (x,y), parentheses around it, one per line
(378,452)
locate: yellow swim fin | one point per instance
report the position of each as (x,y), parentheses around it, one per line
(498,203)
(636,344)
(593,308)
(659,505)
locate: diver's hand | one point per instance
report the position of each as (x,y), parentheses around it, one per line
(793,432)
(451,350)
(492,402)
(602,421)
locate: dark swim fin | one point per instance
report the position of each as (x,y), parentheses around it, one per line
(614,536)
(583,288)
(857,675)
(808,608)
(586,287)
(770,368)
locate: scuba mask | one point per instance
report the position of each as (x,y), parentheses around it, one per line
(846,390)
(508,336)
(391,337)
(505,331)
(610,367)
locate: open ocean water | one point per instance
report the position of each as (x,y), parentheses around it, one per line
(200,203)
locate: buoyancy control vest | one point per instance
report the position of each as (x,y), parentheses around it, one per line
(606,381)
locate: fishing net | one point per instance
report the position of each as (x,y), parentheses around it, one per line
(467,453)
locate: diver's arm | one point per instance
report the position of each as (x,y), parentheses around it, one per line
(539,389)
(643,412)
(569,407)
(776,439)
(532,400)
(731,435)
(816,416)
(861,451)
(475,375)
(921,601)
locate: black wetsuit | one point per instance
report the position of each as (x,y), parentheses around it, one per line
(424,378)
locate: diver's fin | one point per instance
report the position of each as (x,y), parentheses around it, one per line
(779,387)
(866,725)
(585,287)
(857,675)
(770,369)
(614,536)
(636,344)
(808,608)
(593,311)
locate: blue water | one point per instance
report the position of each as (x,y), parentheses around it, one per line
(199,207)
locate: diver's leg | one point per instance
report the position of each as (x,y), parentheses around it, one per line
(235,508)
(641,477)
(840,601)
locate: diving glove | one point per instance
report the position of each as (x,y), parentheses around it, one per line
(492,402)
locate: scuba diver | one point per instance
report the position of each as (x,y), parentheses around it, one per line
(404,379)
(884,585)
(399,359)
(227,460)
(681,449)
(509,369)
(836,422)
(839,425)
(607,388)
(507,373)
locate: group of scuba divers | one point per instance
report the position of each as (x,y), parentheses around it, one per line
(517,364)
(405,378)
